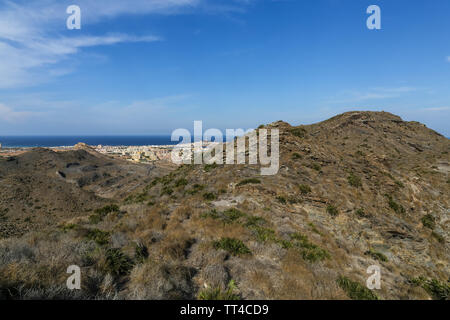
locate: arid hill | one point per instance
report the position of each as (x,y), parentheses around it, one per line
(360,189)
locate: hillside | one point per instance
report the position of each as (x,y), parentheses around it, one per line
(359,189)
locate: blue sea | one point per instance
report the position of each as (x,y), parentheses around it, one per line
(60,141)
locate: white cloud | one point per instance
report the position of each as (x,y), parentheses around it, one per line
(372,94)
(9,115)
(437,109)
(32,41)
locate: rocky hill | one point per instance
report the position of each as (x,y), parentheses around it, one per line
(360,189)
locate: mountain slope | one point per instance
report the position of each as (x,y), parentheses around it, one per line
(360,189)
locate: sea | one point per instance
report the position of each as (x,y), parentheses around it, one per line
(66,141)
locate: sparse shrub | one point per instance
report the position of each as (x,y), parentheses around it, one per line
(332,210)
(354,180)
(438,290)
(296,156)
(394,205)
(438,237)
(99,236)
(248,181)
(316,167)
(255,221)
(209,196)
(360,213)
(181,183)
(309,251)
(299,132)
(233,246)
(355,290)
(399,183)
(263,234)
(140,252)
(304,189)
(101,213)
(195,189)
(359,153)
(281,199)
(117,263)
(219,294)
(209,167)
(232,215)
(376,255)
(166,191)
(428,221)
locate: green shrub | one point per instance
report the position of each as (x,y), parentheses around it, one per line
(219,294)
(195,189)
(354,290)
(281,199)
(332,210)
(304,189)
(248,181)
(428,221)
(209,167)
(209,196)
(232,215)
(140,252)
(100,214)
(99,236)
(103,212)
(376,255)
(181,182)
(299,132)
(233,246)
(354,180)
(263,234)
(166,191)
(438,290)
(296,156)
(399,183)
(438,237)
(308,250)
(394,205)
(117,263)
(360,213)
(316,167)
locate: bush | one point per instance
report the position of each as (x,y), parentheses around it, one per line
(299,132)
(309,251)
(233,246)
(332,210)
(428,221)
(218,294)
(117,263)
(354,290)
(304,189)
(376,255)
(438,290)
(248,181)
(360,213)
(196,188)
(181,183)
(209,196)
(394,205)
(354,180)
(232,215)
(140,252)
(209,167)
(100,214)
(296,156)
(166,190)
(281,199)
(99,236)
(438,237)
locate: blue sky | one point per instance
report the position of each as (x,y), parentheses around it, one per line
(151,66)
